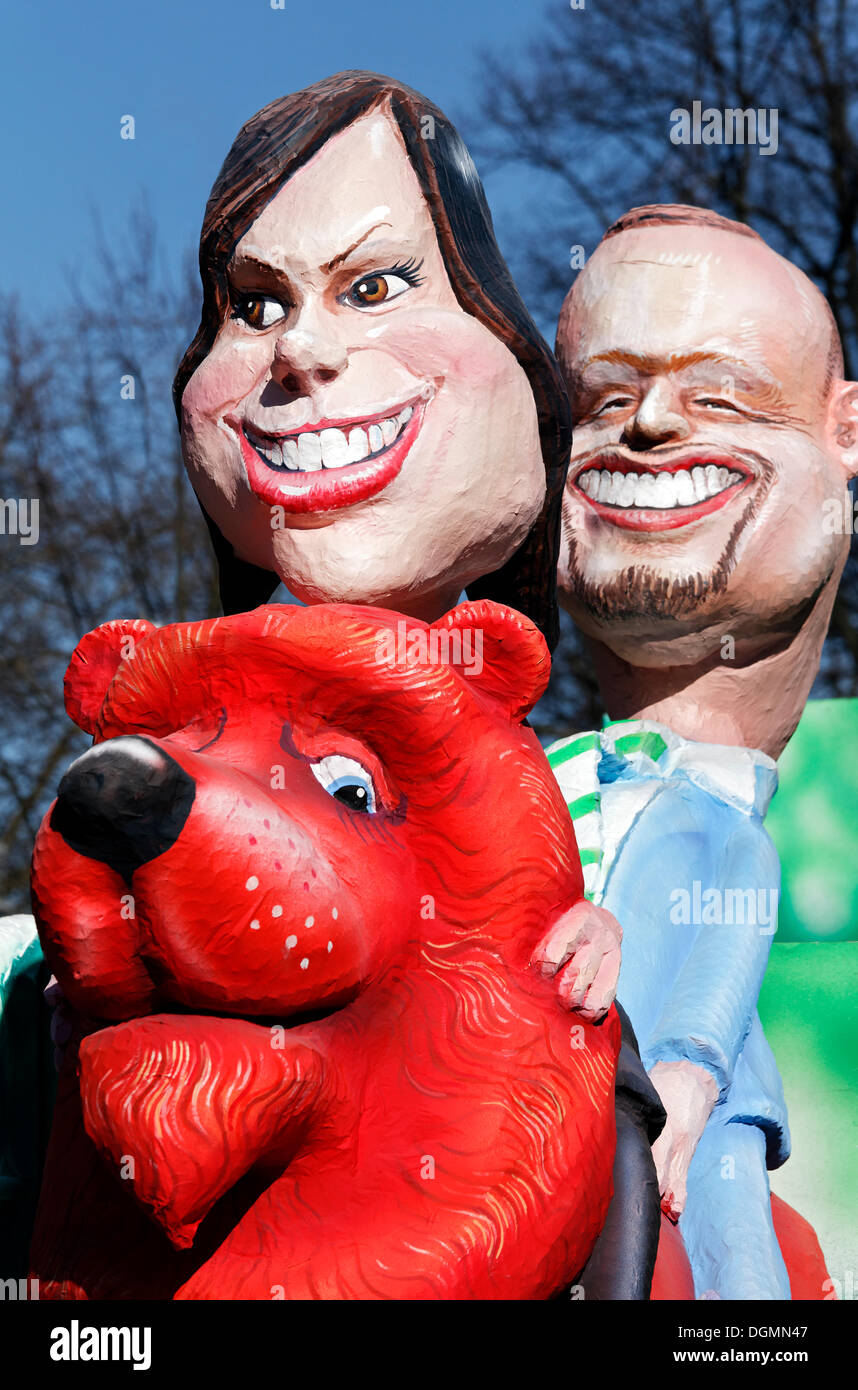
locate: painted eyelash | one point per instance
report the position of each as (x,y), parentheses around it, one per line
(408,270)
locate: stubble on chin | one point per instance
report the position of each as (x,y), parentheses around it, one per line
(641,592)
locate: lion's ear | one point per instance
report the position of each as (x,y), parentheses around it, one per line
(501,652)
(96,660)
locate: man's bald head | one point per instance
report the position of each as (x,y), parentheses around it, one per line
(712,430)
(806,297)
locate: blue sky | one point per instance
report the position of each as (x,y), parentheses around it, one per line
(190,73)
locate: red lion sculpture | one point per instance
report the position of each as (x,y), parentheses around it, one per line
(294,892)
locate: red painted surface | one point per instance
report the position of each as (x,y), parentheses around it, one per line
(428,1121)
(672,1277)
(805,1262)
(800,1248)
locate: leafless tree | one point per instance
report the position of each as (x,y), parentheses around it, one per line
(87,429)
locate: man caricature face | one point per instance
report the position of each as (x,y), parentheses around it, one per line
(709,436)
(353,429)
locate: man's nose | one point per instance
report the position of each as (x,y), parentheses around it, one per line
(657,420)
(123,802)
(309,352)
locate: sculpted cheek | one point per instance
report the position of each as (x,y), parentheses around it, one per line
(485,413)
(223,379)
(443,343)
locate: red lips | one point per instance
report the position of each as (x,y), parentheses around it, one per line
(325,489)
(661,518)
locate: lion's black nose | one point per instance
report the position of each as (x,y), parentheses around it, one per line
(123,802)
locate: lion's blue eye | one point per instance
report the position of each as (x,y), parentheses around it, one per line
(345,779)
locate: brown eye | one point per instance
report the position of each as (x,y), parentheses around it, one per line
(259,310)
(254,310)
(383,286)
(373,290)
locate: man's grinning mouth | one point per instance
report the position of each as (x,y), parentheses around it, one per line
(661,491)
(311,450)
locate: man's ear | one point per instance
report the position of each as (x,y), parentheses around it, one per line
(96,660)
(843,424)
(499,651)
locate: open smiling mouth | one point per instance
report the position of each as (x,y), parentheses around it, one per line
(330,464)
(640,498)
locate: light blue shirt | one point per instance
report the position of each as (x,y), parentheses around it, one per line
(672,838)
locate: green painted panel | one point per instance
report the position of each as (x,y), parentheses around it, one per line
(813,821)
(809,1009)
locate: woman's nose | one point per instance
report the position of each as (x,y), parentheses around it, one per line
(305,354)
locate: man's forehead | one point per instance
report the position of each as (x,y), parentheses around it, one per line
(690,277)
(650,296)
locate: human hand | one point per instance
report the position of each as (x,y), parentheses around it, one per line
(688,1093)
(581,952)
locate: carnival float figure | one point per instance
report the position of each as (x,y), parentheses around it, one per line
(320,1056)
(368,414)
(714,433)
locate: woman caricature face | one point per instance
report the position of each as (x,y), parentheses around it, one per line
(353,429)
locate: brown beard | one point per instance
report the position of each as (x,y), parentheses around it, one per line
(639,592)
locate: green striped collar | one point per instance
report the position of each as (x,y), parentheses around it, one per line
(744,777)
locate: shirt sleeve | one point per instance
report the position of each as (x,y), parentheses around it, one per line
(707,1013)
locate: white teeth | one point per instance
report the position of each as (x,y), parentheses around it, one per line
(684,488)
(617,486)
(628,490)
(662,491)
(645,491)
(335,448)
(665,492)
(311,450)
(358,445)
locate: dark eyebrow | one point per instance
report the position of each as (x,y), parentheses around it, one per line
(247,260)
(337,260)
(678,361)
(648,362)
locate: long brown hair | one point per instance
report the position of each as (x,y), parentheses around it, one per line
(268,149)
